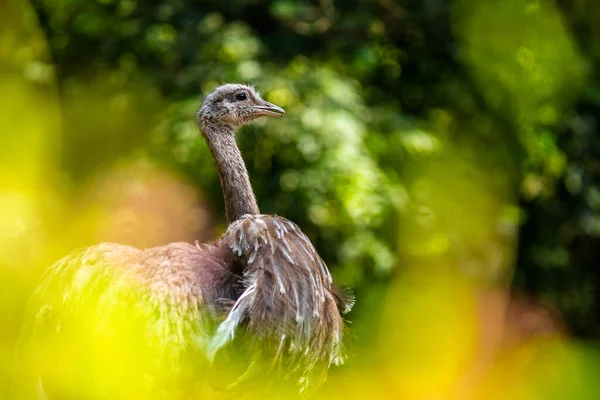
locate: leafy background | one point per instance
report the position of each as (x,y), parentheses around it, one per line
(432,150)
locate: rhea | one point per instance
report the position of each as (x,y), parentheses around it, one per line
(257,303)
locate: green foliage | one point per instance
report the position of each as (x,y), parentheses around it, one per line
(413,129)
(432,151)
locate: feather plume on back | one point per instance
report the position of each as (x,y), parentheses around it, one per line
(288,309)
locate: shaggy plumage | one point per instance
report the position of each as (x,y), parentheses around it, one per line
(113,321)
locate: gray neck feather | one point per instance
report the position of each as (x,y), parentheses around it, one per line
(237,191)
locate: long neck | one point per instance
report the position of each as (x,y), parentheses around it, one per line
(237,191)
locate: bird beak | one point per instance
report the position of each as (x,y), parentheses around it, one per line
(267,109)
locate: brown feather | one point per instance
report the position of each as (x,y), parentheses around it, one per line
(289,307)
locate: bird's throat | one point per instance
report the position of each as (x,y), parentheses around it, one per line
(237,190)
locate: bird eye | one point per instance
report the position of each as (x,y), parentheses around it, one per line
(241,96)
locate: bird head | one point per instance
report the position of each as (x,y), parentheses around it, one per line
(235,105)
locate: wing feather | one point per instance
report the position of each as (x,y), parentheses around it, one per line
(289,308)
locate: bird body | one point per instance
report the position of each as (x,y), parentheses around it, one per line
(158,322)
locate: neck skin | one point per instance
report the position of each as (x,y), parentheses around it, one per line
(237,191)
